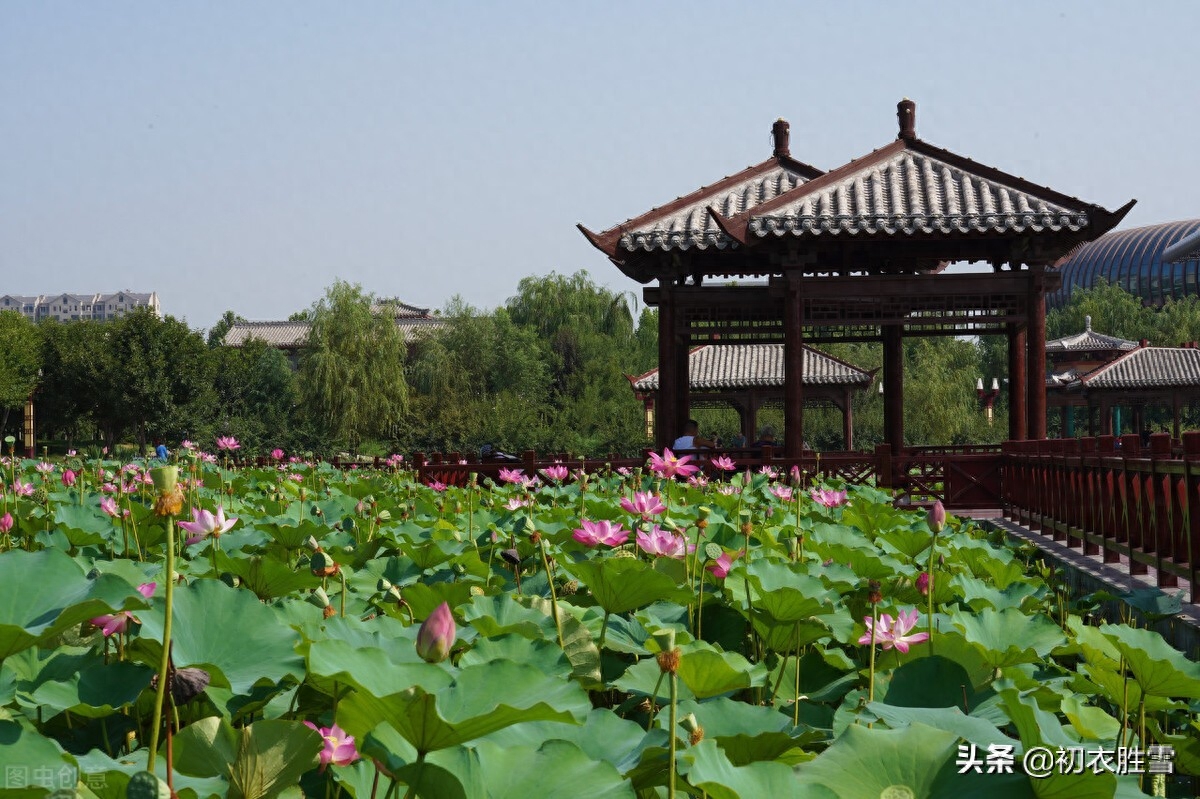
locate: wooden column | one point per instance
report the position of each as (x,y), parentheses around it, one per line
(847,420)
(893,387)
(750,425)
(1017,429)
(667,375)
(1036,363)
(683,383)
(1175,407)
(793,371)
(1106,426)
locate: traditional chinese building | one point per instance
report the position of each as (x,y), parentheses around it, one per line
(857,253)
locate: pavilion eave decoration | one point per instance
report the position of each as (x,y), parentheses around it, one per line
(857,253)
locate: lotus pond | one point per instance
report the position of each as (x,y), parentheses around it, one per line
(358,634)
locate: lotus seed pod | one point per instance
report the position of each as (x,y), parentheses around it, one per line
(319,598)
(231,580)
(40,495)
(713,551)
(312,544)
(321,565)
(144,785)
(665,639)
(383,585)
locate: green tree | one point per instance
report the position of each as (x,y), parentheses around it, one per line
(352,371)
(20,360)
(257,396)
(216,334)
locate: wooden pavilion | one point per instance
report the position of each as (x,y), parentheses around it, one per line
(855,254)
(748,377)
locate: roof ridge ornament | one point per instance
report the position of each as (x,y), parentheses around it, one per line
(906,113)
(780,132)
(1087,323)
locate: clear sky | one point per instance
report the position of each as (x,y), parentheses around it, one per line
(242,156)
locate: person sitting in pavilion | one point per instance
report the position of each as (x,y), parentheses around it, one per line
(766,438)
(691,438)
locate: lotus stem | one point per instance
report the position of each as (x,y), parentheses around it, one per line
(603,631)
(871,673)
(932,561)
(654,700)
(674,684)
(163,666)
(553,594)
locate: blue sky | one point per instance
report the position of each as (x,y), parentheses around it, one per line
(244,155)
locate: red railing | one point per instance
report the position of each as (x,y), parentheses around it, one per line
(1132,504)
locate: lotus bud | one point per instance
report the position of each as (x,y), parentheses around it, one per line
(437,635)
(360,507)
(793,545)
(231,580)
(937,517)
(68,478)
(694,730)
(923,583)
(6,523)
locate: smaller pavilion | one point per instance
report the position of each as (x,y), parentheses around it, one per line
(747,377)
(1143,376)
(1070,357)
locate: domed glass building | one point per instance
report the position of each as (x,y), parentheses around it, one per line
(1156,262)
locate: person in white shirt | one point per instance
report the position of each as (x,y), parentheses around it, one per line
(691,438)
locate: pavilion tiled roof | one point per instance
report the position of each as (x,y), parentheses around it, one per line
(726,367)
(906,188)
(1148,367)
(1089,340)
(294,335)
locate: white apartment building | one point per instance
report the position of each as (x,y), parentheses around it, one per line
(73,307)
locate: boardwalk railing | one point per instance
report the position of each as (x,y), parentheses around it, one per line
(1113,497)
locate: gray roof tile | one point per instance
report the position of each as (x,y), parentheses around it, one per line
(692,225)
(1089,340)
(292,335)
(1148,367)
(718,367)
(913,192)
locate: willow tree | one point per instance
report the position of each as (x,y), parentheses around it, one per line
(20,360)
(352,373)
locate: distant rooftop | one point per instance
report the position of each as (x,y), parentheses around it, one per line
(723,367)
(412,322)
(1089,340)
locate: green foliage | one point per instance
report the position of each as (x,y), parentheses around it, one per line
(352,374)
(20,359)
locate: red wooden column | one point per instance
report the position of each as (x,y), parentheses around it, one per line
(1017,429)
(666,418)
(793,371)
(1036,362)
(847,420)
(893,387)
(683,381)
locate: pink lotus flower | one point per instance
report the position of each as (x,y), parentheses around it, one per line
(668,465)
(624,471)
(111,623)
(698,480)
(296,478)
(204,524)
(829,497)
(185,444)
(897,636)
(601,532)
(769,471)
(437,485)
(937,517)
(796,475)
(729,490)
(720,567)
(68,478)
(437,635)
(515,503)
(208,457)
(6,523)
(109,506)
(663,543)
(724,463)
(643,504)
(228,443)
(395,460)
(44,468)
(923,583)
(277,454)
(339,747)
(22,489)
(512,476)
(556,473)
(782,492)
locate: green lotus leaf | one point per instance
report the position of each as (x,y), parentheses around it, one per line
(1159,669)
(290,534)
(707,768)
(481,699)
(28,753)
(603,736)
(746,733)
(493,616)
(83,684)
(267,577)
(1091,723)
(61,596)
(556,768)
(369,670)
(908,542)
(620,585)
(950,719)
(85,525)
(259,761)
(980,595)
(107,778)
(643,676)
(544,655)
(578,644)
(1007,637)
(707,672)
(227,631)
(935,681)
